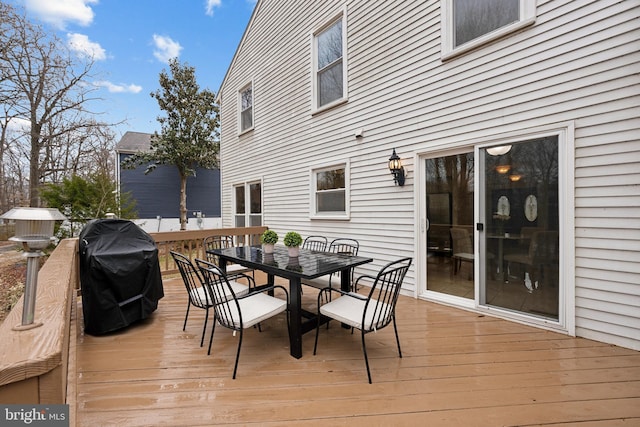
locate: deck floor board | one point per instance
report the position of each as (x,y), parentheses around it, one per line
(459,368)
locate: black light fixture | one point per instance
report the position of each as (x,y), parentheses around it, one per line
(396,169)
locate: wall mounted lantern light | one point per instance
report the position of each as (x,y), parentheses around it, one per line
(396,169)
(34,229)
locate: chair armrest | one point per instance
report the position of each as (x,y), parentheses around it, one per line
(328,290)
(236,276)
(364,276)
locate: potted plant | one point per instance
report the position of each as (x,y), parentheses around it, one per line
(268,239)
(292,241)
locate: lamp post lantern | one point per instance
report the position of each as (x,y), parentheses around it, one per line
(34,229)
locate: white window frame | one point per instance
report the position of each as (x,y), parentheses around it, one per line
(527,17)
(315,98)
(342,215)
(240,111)
(247,202)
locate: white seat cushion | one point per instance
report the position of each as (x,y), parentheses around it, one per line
(199,294)
(349,310)
(321,282)
(238,288)
(236,268)
(256,309)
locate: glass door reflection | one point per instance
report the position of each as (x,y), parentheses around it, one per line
(520,217)
(449,198)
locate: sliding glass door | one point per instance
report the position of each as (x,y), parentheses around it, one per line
(519,220)
(449,187)
(507,255)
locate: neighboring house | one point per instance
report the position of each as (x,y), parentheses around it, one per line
(516,121)
(157,194)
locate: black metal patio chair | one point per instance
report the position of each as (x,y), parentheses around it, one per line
(198,296)
(237,312)
(367,313)
(346,247)
(223,242)
(315,243)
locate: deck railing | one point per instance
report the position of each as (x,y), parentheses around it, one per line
(34,362)
(190,243)
(37,366)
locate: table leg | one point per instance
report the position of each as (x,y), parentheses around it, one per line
(345,286)
(345,280)
(270,282)
(295,318)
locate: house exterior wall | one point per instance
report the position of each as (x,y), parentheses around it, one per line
(577,67)
(158,193)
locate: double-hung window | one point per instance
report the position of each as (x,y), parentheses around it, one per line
(330,192)
(330,66)
(248,204)
(467,24)
(246,108)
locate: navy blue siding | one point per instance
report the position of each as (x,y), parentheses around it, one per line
(158,193)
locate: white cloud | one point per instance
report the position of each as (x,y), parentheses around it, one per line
(81,44)
(17,124)
(59,12)
(210,5)
(119,88)
(166,48)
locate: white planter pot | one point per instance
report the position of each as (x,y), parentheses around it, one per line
(268,248)
(294,251)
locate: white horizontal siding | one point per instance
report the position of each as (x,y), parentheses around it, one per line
(578,63)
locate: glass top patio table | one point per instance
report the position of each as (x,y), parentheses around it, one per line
(308,265)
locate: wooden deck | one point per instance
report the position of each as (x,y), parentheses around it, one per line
(459,369)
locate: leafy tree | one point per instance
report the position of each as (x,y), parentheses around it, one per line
(83,199)
(189,136)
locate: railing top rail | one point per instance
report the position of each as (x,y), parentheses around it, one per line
(34,352)
(168,236)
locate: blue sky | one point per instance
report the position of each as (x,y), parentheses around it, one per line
(131,42)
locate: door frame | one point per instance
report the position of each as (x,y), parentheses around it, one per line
(566,190)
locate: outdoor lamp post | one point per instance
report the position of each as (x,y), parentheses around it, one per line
(34,228)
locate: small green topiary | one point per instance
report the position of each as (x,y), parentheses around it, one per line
(269,237)
(292,239)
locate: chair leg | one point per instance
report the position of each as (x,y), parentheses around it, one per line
(235,368)
(204,328)
(328,300)
(184,327)
(315,346)
(213,328)
(366,359)
(395,327)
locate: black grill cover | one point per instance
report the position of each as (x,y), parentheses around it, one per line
(119,274)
